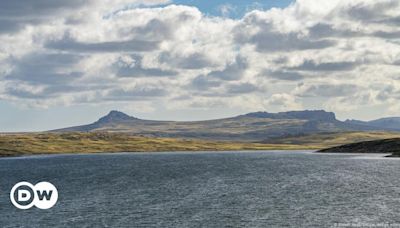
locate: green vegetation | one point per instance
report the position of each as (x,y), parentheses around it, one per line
(96,142)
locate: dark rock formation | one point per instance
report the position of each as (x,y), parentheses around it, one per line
(375,146)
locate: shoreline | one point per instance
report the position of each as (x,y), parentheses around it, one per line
(307,151)
(382,146)
(155,152)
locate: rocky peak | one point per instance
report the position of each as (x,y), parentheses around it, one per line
(115,116)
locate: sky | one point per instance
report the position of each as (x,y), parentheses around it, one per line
(232,9)
(65,63)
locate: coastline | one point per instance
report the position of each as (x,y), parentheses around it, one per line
(21,155)
(45,155)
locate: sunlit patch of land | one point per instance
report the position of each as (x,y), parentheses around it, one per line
(98,142)
(57,143)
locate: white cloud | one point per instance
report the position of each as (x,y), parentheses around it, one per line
(101,51)
(283,102)
(227,9)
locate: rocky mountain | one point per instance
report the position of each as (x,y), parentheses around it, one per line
(114,117)
(257,126)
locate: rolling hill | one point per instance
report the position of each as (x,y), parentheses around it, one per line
(257,126)
(392,123)
(385,146)
(118,132)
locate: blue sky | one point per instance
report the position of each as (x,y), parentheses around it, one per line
(238,7)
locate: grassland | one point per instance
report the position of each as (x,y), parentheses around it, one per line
(98,142)
(57,143)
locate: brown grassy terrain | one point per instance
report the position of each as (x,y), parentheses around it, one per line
(96,142)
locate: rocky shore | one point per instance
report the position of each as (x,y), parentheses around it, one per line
(376,146)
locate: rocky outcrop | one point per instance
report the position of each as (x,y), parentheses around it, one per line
(376,146)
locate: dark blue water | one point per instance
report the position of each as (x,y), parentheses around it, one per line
(254,189)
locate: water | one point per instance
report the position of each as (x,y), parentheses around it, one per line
(239,189)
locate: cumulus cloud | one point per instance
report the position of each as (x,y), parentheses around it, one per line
(191,61)
(310,65)
(242,88)
(232,71)
(326,90)
(203,82)
(283,75)
(15,15)
(86,51)
(44,68)
(284,102)
(109,46)
(132,66)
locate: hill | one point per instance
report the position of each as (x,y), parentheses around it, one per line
(374,146)
(323,140)
(102,142)
(253,127)
(391,123)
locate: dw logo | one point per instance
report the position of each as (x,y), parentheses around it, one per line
(43,195)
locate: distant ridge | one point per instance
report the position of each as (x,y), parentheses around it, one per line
(392,123)
(307,115)
(255,126)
